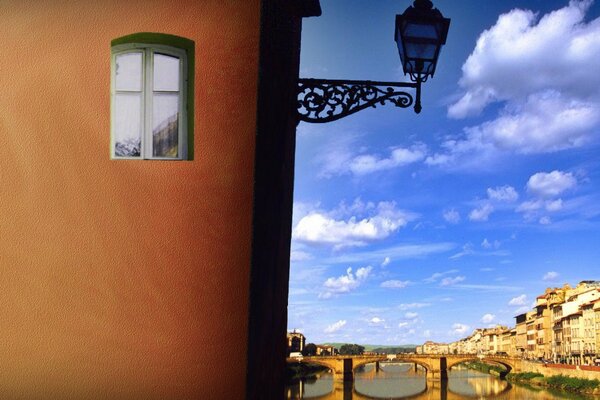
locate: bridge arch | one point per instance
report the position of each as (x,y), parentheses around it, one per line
(509,366)
(411,360)
(316,361)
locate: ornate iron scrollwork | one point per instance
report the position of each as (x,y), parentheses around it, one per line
(321,100)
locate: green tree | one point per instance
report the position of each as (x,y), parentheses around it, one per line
(310,350)
(351,350)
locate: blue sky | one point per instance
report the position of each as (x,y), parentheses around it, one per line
(411,227)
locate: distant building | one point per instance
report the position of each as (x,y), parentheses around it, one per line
(296,341)
(326,350)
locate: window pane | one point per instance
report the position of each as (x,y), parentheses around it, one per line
(128,71)
(166,72)
(127,124)
(165,124)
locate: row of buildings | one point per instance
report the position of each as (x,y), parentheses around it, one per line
(564,326)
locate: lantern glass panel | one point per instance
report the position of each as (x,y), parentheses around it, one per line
(416,30)
(424,51)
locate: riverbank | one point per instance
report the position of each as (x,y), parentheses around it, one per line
(558,382)
(561,382)
(301,371)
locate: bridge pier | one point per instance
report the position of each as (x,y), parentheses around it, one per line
(344,372)
(439,373)
(376,366)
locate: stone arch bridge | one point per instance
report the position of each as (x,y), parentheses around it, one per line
(436,365)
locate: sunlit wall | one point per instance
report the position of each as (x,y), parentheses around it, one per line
(122,279)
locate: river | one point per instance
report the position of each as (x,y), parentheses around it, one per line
(401,381)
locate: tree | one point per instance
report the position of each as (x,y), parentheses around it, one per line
(310,350)
(351,350)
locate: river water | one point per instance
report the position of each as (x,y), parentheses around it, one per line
(401,381)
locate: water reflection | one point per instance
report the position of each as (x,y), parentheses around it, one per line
(402,381)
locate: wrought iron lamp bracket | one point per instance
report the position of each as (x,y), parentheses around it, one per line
(324,100)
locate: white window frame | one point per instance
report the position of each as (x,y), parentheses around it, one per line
(148,51)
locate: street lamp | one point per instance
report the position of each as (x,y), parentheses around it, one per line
(420,33)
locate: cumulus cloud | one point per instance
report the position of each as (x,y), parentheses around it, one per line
(556,50)
(482,213)
(376,320)
(395,284)
(345,283)
(550,184)
(318,227)
(452,281)
(488,318)
(335,326)
(343,156)
(545,187)
(368,163)
(503,193)
(554,106)
(550,276)
(459,329)
(403,324)
(386,261)
(411,315)
(452,216)
(518,301)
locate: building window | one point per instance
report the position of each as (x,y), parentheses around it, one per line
(152,93)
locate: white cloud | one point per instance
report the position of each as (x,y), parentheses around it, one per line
(466,250)
(556,51)
(550,276)
(555,205)
(369,163)
(452,216)
(411,306)
(503,193)
(550,184)
(543,72)
(395,284)
(376,320)
(335,326)
(482,213)
(459,329)
(488,318)
(403,324)
(321,228)
(486,244)
(437,275)
(298,255)
(345,283)
(404,251)
(452,281)
(518,301)
(411,315)
(386,261)
(545,220)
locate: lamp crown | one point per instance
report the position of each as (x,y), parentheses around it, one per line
(423,4)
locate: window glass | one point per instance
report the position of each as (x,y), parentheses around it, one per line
(127,124)
(128,71)
(166,72)
(165,124)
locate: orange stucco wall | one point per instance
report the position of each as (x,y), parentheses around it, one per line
(122,279)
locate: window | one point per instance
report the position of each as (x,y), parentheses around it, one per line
(152,91)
